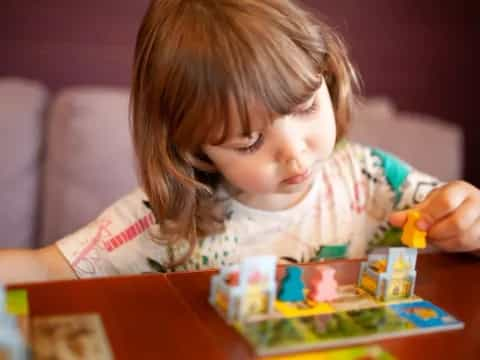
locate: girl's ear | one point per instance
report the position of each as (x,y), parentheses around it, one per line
(202,163)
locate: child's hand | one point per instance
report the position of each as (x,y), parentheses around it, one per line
(450,215)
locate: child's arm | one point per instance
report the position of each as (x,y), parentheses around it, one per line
(34,265)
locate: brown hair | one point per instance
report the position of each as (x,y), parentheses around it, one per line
(201,63)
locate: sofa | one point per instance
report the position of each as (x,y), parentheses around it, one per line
(65,156)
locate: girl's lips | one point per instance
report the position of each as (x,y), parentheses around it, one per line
(297,179)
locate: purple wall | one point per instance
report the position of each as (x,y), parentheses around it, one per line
(65,42)
(420,55)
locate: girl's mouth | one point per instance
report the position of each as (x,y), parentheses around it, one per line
(297,179)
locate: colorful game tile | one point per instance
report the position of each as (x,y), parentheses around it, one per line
(389,273)
(247,289)
(424,314)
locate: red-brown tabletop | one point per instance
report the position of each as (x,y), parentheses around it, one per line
(144,317)
(168,316)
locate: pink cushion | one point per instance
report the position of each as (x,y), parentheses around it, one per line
(22,104)
(427,143)
(89,160)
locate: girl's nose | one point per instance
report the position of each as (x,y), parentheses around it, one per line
(291,151)
(296,165)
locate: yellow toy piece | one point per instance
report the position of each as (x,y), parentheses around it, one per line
(303,308)
(412,237)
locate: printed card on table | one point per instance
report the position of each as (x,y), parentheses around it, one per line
(73,337)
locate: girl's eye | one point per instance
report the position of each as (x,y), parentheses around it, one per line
(252,147)
(310,110)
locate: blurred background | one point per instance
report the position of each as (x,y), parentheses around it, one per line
(65,67)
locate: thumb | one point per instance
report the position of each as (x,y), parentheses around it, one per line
(398,218)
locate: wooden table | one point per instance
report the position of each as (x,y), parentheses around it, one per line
(168,316)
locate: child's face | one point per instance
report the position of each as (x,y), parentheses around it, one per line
(272,170)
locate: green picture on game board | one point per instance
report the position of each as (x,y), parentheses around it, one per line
(346,327)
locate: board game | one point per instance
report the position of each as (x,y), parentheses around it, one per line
(297,312)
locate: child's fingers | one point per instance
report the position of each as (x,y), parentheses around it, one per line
(441,203)
(457,222)
(466,242)
(448,244)
(438,204)
(398,218)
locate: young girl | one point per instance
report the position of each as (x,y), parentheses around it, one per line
(239,111)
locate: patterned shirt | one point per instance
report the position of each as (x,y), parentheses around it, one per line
(352,194)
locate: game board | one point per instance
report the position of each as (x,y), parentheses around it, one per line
(321,314)
(354,317)
(283,335)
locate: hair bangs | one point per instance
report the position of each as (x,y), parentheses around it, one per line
(237,77)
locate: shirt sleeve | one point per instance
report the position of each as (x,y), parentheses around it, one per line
(119,241)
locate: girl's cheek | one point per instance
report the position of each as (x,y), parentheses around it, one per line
(319,145)
(250,176)
(256,184)
(323,140)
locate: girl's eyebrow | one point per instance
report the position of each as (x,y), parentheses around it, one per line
(233,141)
(305,105)
(237,139)
(240,139)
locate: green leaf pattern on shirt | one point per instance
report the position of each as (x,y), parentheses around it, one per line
(396,171)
